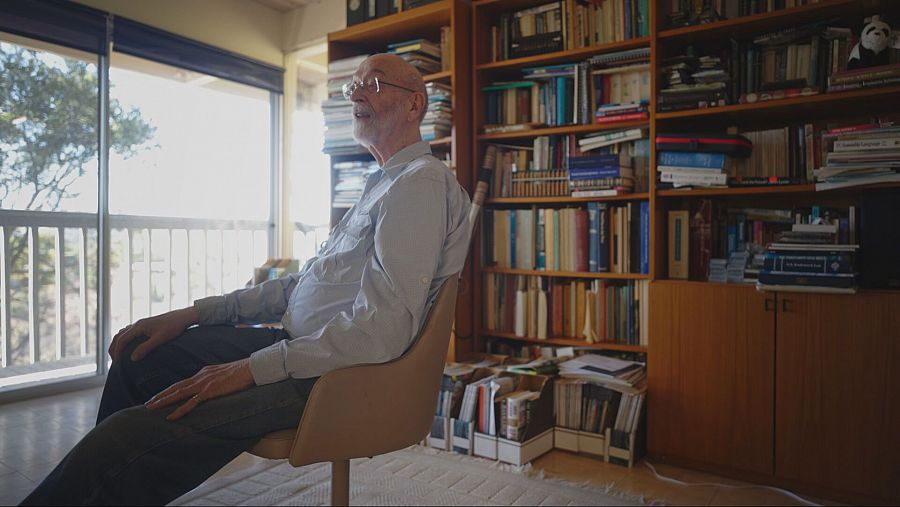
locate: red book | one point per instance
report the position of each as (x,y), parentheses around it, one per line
(643,115)
(581,240)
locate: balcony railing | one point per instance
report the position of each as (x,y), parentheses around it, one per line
(48,279)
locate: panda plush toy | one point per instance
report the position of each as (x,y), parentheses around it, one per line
(875,39)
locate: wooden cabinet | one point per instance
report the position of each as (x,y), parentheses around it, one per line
(837,409)
(800,390)
(711,375)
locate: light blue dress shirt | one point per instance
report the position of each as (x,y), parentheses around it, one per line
(363,298)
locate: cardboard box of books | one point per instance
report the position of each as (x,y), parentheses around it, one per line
(451,399)
(525,420)
(480,407)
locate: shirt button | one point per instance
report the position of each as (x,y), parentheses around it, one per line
(424,279)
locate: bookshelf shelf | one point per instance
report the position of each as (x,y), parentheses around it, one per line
(444,141)
(567,274)
(812,107)
(566,342)
(566,200)
(569,55)
(566,129)
(396,27)
(748,26)
(438,76)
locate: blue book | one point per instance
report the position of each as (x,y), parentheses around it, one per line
(560,100)
(645,237)
(539,241)
(593,237)
(628,33)
(590,161)
(602,237)
(512,238)
(592,173)
(692,159)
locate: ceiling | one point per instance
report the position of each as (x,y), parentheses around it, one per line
(286,5)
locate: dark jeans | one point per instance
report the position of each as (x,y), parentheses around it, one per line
(135,457)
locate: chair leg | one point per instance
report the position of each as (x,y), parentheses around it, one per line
(340,482)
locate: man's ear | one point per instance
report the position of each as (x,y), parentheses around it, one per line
(417,106)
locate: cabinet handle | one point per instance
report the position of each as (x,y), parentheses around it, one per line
(786,305)
(769,305)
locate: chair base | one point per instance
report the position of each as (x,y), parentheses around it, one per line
(340,482)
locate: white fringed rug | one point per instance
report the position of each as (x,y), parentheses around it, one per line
(413,476)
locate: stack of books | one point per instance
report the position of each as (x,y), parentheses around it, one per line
(338,111)
(438,122)
(600,175)
(691,169)
(868,77)
(609,138)
(692,83)
(810,258)
(604,370)
(420,53)
(860,155)
(350,180)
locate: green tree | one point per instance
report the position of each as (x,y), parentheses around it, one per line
(48,139)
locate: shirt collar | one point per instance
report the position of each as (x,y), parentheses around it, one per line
(395,165)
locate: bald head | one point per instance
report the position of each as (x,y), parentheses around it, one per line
(396,70)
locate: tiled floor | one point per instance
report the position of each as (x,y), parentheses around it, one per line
(37,433)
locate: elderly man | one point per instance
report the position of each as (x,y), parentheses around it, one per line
(181,401)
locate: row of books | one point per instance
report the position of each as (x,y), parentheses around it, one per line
(705,232)
(606,88)
(584,406)
(686,168)
(568,24)
(596,311)
(542,169)
(685,12)
(601,237)
(797,61)
(359,11)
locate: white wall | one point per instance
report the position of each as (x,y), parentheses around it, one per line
(312,22)
(241,26)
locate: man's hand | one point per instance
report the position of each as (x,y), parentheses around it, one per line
(210,382)
(159,330)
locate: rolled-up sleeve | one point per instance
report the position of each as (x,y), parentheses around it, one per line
(410,231)
(263,303)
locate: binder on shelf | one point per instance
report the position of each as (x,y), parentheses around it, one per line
(580,441)
(439,438)
(356,11)
(538,433)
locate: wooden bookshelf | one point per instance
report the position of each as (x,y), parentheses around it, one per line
(723,336)
(566,342)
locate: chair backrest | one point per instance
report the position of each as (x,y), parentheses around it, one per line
(373,409)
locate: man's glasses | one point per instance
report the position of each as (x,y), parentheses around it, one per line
(372,85)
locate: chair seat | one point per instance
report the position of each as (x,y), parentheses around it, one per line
(276,445)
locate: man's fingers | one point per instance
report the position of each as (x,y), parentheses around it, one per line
(122,339)
(145,348)
(174,393)
(192,403)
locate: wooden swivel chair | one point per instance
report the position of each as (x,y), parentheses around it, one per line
(367,410)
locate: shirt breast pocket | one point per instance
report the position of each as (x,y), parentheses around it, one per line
(354,232)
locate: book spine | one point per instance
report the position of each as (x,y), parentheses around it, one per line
(692,159)
(841,282)
(622,117)
(821,264)
(593,240)
(645,237)
(602,237)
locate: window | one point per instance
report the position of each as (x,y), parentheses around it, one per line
(48,211)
